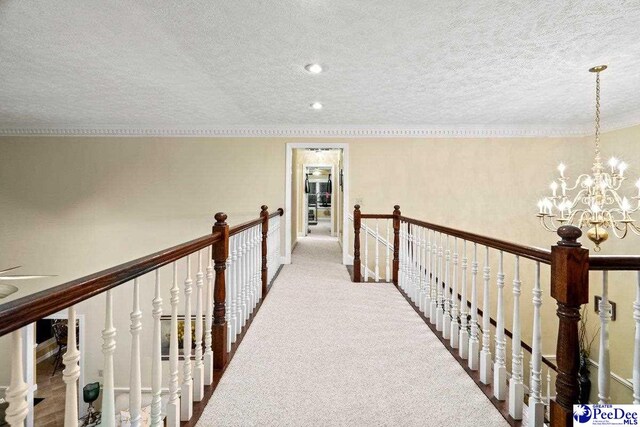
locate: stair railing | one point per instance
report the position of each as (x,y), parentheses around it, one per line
(234,268)
(431,268)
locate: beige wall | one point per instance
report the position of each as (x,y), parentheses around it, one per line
(72,206)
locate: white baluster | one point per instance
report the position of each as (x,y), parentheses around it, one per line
(229,313)
(255,270)
(405,244)
(455,326)
(108,349)
(71,372)
(16,394)
(446,326)
(258,264)
(387,250)
(186,397)
(135,380)
(549,392)
(366,250)
(173,405)
(198,366)
(474,342)
(258,257)
(156,362)
(636,347)
(500,367)
(377,268)
(485,354)
(401,257)
(276,246)
(440,308)
(252,270)
(420,269)
(427,275)
(247,276)
(235,280)
(516,388)
(434,281)
(414,260)
(604,368)
(208,317)
(421,278)
(536,405)
(243,276)
(464,323)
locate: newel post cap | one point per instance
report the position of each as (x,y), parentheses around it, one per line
(357,207)
(263,208)
(221,217)
(396,210)
(569,235)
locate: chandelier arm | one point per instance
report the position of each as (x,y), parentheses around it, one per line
(634,228)
(578,181)
(545,225)
(624,231)
(582,221)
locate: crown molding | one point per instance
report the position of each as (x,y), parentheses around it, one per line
(313,131)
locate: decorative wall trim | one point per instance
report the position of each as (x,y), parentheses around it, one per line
(313,132)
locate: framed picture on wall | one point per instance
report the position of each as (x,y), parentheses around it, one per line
(165,336)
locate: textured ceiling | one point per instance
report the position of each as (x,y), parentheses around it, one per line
(504,66)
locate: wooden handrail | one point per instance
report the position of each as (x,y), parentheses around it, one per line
(614,262)
(252,223)
(23,311)
(278,212)
(376,216)
(530,252)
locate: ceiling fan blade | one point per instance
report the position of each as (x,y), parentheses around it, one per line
(23,277)
(9,269)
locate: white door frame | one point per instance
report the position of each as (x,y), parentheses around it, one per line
(305,217)
(288,190)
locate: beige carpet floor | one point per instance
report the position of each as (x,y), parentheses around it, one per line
(323,351)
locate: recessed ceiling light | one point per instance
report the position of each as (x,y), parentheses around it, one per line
(316,106)
(313,68)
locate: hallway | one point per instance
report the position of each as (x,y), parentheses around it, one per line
(324,351)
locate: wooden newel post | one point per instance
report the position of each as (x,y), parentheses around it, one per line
(570,288)
(220,252)
(264,214)
(396,243)
(357,223)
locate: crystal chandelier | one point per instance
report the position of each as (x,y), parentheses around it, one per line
(596,204)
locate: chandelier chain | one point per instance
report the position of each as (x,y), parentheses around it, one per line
(598,117)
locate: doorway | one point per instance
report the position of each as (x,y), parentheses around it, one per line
(317,187)
(319,200)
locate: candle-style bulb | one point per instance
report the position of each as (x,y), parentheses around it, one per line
(625,205)
(613,162)
(622,167)
(561,168)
